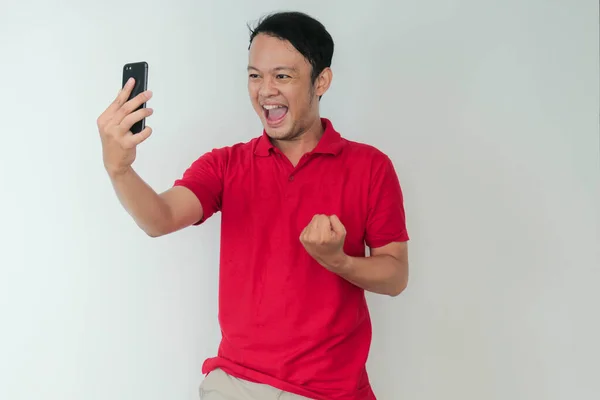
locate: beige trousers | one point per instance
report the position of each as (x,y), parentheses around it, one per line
(219,385)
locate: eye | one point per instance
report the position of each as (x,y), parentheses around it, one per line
(253,76)
(283,76)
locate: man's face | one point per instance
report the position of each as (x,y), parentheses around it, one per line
(280,87)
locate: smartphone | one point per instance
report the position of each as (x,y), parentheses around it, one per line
(139,72)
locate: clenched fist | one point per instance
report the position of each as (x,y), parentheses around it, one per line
(114,125)
(323,239)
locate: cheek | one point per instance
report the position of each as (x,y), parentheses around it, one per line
(300,104)
(295,99)
(253,92)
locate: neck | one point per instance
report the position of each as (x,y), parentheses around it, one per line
(305,142)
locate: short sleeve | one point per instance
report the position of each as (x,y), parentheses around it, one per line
(386,221)
(205,179)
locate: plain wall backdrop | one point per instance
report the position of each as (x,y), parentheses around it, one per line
(489,110)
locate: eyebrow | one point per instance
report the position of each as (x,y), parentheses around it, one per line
(276,69)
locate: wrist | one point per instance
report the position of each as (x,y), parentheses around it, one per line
(117,173)
(342,264)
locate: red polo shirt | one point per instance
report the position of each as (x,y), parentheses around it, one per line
(286,321)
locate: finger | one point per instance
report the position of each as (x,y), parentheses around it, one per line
(336,225)
(132,105)
(308,229)
(324,230)
(302,236)
(122,96)
(313,227)
(309,235)
(132,140)
(315,221)
(116,104)
(134,117)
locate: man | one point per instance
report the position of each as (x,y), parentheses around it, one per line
(298,204)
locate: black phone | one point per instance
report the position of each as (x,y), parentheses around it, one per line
(139,72)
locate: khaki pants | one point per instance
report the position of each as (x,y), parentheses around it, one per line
(220,386)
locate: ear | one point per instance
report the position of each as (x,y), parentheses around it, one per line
(323,82)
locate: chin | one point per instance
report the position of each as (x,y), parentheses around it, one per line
(280,131)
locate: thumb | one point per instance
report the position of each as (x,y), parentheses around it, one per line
(337,225)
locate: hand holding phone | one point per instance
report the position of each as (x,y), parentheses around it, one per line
(125,115)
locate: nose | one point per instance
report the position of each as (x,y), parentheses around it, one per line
(267,88)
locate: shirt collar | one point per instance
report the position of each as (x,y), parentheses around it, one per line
(330,143)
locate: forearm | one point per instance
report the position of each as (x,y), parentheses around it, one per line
(148,209)
(383,274)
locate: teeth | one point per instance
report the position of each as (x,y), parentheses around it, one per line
(271,107)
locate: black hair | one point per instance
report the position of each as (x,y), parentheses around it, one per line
(304,32)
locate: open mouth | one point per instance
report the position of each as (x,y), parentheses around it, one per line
(275,113)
